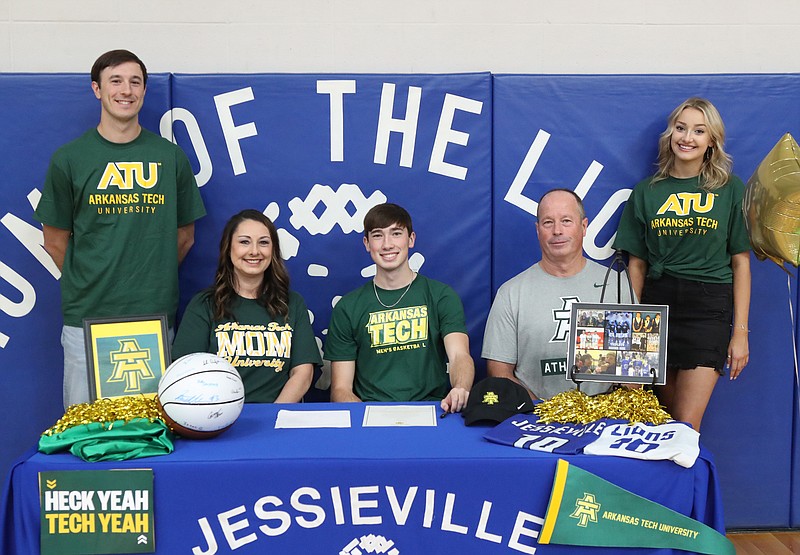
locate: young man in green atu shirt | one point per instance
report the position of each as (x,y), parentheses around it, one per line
(118,211)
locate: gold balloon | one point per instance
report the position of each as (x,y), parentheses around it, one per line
(772,204)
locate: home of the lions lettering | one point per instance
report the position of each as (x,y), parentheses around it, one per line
(246,345)
(401,326)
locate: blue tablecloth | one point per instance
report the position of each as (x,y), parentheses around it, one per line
(256,489)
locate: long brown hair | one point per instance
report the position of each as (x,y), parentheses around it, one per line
(274,293)
(716,169)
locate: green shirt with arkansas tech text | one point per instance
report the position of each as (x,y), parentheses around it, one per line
(684,231)
(124,204)
(398,346)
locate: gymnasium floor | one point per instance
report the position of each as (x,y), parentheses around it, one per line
(766,543)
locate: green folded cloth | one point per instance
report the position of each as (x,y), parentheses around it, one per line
(115,441)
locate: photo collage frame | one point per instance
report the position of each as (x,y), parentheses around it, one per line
(620,343)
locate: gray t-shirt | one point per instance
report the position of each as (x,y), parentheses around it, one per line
(528,324)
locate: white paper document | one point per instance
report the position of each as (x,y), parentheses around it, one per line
(313,419)
(399,415)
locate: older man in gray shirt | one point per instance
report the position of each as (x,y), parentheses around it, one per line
(528,327)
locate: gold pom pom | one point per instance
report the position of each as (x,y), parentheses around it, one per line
(633,405)
(107,411)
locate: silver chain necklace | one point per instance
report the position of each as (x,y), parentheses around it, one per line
(375,288)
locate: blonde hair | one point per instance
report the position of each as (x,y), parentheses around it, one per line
(716,169)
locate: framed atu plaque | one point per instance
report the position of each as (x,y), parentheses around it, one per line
(126,356)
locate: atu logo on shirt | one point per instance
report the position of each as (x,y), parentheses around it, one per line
(682,204)
(122,175)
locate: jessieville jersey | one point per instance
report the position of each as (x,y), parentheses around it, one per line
(526,432)
(124,204)
(399,351)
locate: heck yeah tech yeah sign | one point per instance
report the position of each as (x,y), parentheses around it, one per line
(97,511)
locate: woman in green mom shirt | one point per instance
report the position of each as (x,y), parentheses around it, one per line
(251,318)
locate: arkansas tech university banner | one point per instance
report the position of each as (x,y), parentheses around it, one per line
(587,510)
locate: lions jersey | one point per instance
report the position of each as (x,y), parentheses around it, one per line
(676,441)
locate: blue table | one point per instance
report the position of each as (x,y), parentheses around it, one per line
(427,489)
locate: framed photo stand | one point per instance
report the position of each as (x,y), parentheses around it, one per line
(617,343)
(126,356)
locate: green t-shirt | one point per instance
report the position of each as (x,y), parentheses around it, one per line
(263,349)
(399,351)
(682,230)
(124,204)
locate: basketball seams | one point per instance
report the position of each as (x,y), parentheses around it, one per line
(183,404)
(209,371)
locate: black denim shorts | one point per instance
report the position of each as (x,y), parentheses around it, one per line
(700,316)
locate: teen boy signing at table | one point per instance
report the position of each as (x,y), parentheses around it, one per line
(391,339)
